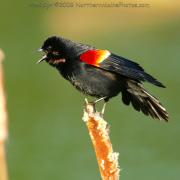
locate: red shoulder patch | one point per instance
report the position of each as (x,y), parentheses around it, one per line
(94,57)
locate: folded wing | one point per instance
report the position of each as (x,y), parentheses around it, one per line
(111,62)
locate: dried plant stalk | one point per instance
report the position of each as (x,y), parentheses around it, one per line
(3,124)
(99,134)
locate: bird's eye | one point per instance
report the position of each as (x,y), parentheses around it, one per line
(49,47)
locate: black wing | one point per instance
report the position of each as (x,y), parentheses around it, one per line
(128,69)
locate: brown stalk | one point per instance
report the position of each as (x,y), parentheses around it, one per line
(99,134)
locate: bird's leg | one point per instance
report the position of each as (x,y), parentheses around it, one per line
(98,100)
(103,109)
(104,105)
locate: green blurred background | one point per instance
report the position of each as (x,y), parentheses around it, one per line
(47,138)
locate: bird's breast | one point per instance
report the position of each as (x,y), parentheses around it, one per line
(91,80)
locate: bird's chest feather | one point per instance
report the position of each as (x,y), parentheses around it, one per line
(90,80)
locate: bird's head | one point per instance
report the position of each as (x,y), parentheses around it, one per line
(55,50)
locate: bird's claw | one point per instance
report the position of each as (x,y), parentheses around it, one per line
(93,104)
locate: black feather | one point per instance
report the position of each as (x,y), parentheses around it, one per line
(128,69)
(142,100)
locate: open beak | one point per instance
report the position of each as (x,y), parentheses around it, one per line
(42,59)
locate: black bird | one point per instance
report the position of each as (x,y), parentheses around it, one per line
(102,74)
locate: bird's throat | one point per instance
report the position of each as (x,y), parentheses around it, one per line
(56,62)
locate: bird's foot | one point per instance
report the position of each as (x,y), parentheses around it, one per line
(93,103)
(90,106)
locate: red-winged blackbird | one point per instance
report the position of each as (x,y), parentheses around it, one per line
(102,74)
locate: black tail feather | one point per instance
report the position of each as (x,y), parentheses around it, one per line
(141,100)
